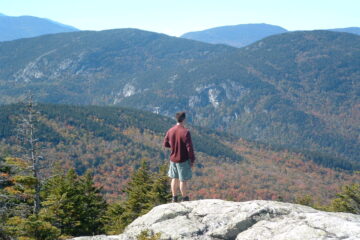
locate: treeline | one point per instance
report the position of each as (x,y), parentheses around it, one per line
(71,205)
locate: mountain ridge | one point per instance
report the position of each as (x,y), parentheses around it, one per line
(259,92)
(242,35)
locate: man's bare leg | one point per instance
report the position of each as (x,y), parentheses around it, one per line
(183,188)
(174,186)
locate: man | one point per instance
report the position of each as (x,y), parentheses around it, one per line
(182,157)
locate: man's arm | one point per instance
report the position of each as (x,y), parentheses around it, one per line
(189,147)
(166,141)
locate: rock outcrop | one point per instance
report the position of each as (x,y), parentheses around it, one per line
(218,219)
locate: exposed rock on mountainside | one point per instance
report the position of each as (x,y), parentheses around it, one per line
(218,219)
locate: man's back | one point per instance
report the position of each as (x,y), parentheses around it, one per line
(178,138)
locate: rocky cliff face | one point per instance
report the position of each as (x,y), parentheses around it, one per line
(218,219)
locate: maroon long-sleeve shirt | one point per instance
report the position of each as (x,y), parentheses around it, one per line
(178,138)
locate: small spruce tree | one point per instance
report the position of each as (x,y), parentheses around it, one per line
(348,200)
(138,198)
(160,190)
(145,190)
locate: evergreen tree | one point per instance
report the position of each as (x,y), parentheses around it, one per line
(348,200)
(5,198)
(138,198)
(32,228)
(15,194)
(74,205)
(306,200)
(94,206)
(145,190)
(17,191)
(160,190)
(112,221)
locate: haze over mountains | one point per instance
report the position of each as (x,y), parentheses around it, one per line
(12,28)
(244,34)
(298,89)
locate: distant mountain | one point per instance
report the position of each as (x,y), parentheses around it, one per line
(237,36)
(246,34)
(299,90)
(12,28)
(353,30)
(113,140)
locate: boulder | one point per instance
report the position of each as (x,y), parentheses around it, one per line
(260,220)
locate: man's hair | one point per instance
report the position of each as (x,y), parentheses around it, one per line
(180,116)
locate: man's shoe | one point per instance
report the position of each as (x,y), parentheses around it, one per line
(185,199)
(174,199)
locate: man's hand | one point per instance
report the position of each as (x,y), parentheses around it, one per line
(191,164)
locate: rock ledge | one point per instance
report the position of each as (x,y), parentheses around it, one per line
(260,220)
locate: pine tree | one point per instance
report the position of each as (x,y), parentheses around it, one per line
(138,198)
(145,190)
(112,220)
(94,207)
(17,191)
(160,190)
(348,200)
(74,205)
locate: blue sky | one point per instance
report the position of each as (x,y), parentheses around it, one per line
(175,17)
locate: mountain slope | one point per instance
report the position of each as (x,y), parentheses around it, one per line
(113,140)
(237,36)
(316,72)
(12,28)
(299,89)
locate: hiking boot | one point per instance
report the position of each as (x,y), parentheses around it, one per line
(174,199)
(185,199)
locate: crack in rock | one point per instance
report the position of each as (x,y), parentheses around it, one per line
(231,232)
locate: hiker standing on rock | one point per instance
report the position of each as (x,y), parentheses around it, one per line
(182,157)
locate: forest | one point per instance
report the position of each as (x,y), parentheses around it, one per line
(115,157)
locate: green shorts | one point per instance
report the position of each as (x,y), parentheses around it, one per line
(180,171)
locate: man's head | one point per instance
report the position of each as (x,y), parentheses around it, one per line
(180,117)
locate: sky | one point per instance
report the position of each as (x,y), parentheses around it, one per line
(176,17)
